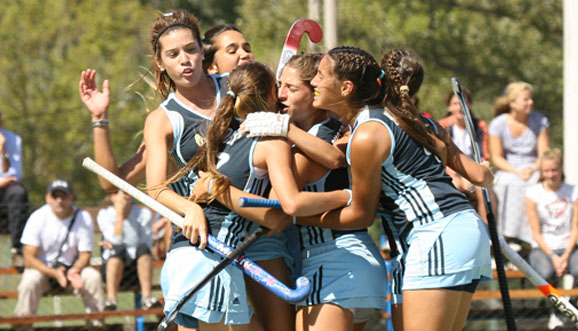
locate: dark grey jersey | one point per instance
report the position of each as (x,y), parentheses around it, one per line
(337,179)
(415,188)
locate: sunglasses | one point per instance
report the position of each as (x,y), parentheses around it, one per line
(57,194)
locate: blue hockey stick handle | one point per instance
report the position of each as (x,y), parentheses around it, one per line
(265,203)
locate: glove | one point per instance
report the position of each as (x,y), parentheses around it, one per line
(267,124)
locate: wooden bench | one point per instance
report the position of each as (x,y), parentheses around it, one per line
(138,313)
(14,320)
(525,293)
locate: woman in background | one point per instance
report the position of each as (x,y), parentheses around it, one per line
(518,136)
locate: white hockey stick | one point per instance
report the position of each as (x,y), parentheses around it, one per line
(250,268)
(561,303)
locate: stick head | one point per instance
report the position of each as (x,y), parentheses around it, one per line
(298,28)
(456,86)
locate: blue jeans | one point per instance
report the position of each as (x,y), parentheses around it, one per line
(542,263)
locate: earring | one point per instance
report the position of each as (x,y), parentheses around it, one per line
(162,69)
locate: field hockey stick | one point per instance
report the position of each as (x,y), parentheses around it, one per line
(557,299)
(496,244)
(561,303)
(291,46)
(172,315)
(250,268)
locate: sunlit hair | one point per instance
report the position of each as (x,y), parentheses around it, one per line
(252,85)
(209,42)
(553,154)
(513,90)
(178,19)
(359,67)
(306,65)
(405,75)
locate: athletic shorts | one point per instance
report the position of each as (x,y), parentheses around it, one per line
(269,247)
(451,251)
(396,273)
(222,300)
(347,271)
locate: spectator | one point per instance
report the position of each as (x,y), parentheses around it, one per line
(455,123)
(127,234)
(57,243)
(518,136)
(162,232)
(552,208)
(13,196)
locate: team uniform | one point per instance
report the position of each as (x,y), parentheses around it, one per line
(441,242)
(189,127)
(225,296)
(344,267)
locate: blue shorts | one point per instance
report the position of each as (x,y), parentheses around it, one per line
(451,251)
(269,247)
(222,300)
(396,283)
(347,271)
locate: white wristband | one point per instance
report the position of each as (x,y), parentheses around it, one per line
(350,196)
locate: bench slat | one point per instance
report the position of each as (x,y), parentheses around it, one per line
(520,294)
(64,317)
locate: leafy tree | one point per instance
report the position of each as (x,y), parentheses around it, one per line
(487,44)
(46,44)
(209,12)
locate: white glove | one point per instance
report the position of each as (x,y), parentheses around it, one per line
(267,124)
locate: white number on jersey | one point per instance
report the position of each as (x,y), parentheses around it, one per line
(223,158)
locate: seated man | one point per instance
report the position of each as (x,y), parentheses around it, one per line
(127,240)
(13,196)
(58,243)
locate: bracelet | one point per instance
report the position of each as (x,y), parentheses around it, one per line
(4,156)
(350,196)
(209,186)
(100,123)
(552,255)
(472,188)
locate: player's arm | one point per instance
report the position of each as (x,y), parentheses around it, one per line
(158,135)
(316,148)
(370,147)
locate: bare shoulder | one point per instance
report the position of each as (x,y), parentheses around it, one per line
(371,139)
(158,120)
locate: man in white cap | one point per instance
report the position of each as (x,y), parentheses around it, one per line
(58,239)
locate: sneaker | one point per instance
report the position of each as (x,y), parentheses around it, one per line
(554,322)
(110,305)
(150,302)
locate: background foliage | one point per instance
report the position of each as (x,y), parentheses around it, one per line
(46,44)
